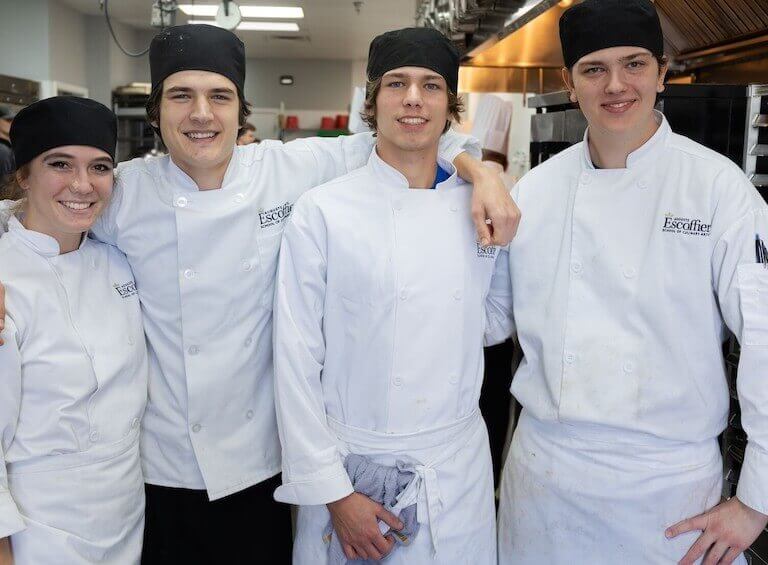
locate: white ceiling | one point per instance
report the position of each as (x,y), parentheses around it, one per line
(335,29)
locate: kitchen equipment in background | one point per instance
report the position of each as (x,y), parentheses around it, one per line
(556,125)
(18,92)
(327,122)
(135,137)
(291,122)
(342,121)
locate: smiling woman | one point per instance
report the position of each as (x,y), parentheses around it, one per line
(66,190)
(68,445)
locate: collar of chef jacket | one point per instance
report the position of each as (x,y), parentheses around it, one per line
(390,176)
(42,244)
(178,181)
(657,141)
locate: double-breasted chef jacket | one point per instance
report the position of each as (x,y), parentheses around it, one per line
(382,303)
(72,393)
(205,264)
(624,283)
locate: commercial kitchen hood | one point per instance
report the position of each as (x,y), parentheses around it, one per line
(514,45)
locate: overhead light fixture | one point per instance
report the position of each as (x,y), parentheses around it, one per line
(288,12)
(257,26)
(286,80)
(266,12)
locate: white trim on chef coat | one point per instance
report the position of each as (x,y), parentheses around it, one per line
(205,263)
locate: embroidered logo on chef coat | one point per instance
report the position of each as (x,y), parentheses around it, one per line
(685,226)
(126,290)
(486,252)
(275,216)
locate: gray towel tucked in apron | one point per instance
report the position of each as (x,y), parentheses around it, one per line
(382,484)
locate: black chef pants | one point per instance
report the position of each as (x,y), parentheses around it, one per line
(248,527)
(495,399)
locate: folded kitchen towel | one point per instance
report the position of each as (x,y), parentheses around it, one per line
(382,484)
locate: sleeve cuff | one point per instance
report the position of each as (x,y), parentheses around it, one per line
(316,491)
(753,480)
(11,521)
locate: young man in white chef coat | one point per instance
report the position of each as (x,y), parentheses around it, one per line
(201,229)
(637,255)
(383,296)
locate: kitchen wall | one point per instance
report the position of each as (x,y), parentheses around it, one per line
(24,39)
(318,84)
(66,44)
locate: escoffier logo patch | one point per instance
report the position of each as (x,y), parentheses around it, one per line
(486,252)
(685,226)
(126,290)
(275,216)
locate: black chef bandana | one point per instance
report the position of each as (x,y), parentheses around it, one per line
(197,47)
(599,24)
(414,47)
(59,121)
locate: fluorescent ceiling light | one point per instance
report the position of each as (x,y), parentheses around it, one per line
(257,26)
(268,26)
(271,12)
(246,11)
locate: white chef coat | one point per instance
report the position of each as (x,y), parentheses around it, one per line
(624,283)
(72,393)
(205,263)
(382,302)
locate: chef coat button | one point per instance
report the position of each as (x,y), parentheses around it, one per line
(628,367)
(248,341)
(576,267)
(94,264)
(397,381)
(134,422)
(249,414)
(403,295)
(94,436)
(189,273)
(239,198)
(247,266)
(181,201)
(398,205)
(193,350)
(629,272)
(457,295)
(642,185)
(131,341)
(454,208)
(196,428)
(570,358)
(453,379)
(585,178)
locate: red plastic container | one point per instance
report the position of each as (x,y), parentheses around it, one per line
(291,122)
(327,122)
(342,121)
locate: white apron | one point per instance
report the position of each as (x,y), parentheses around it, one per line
(64,500)
(457,523)
(573,495)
